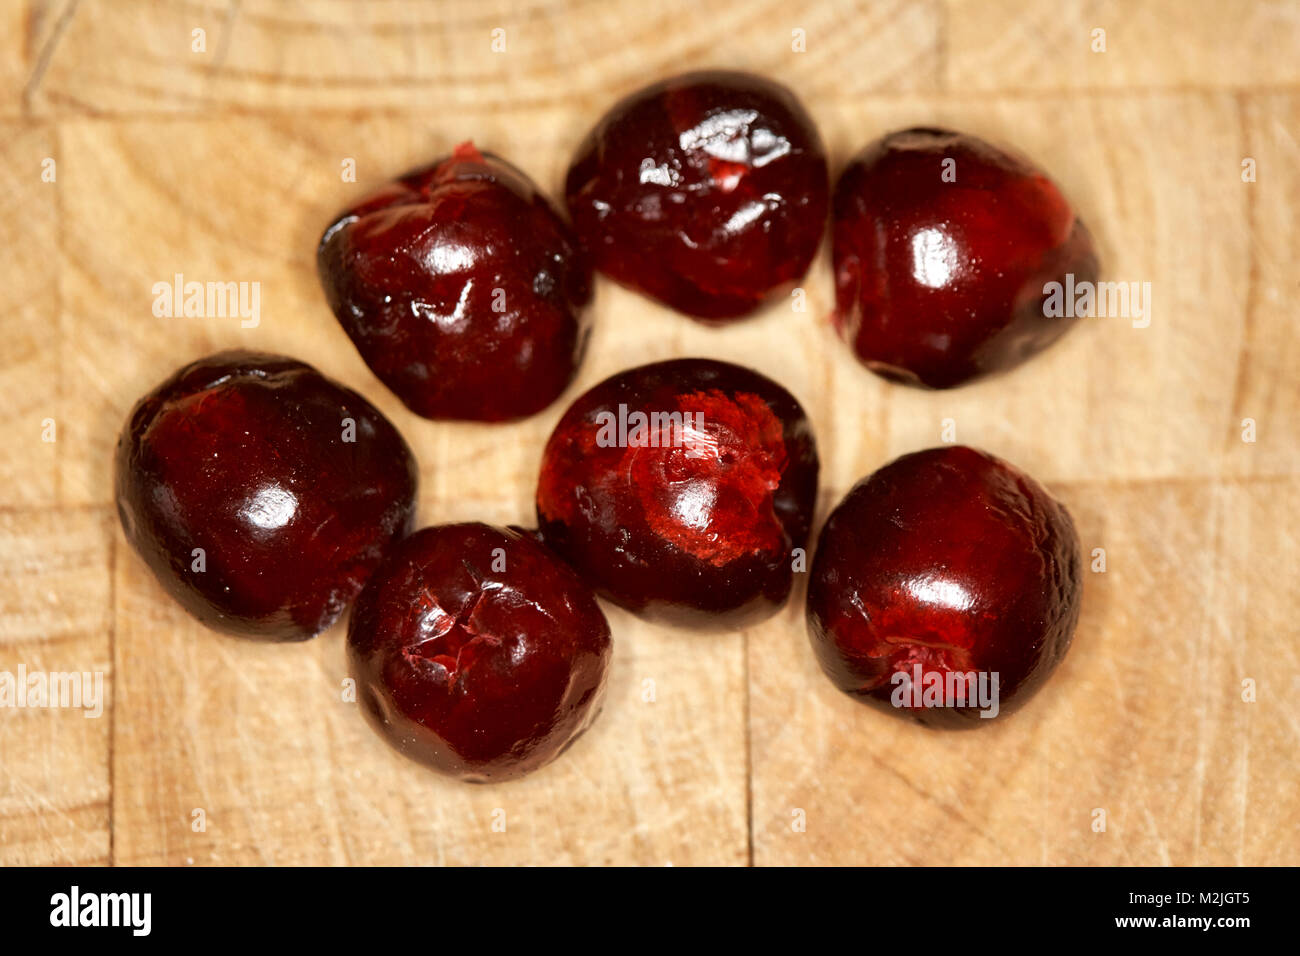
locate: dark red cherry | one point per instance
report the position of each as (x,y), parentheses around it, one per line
(707,192)
(261,493)
(681,490)
(943,563)
(942,247)
(477,652)
(462,288)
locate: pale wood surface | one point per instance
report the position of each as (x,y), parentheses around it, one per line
(225,165)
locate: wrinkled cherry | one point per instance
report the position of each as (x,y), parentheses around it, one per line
(707,192)
(680,490)
(942,246)
(261,493)
(477,652)
(462,288)
(945,562)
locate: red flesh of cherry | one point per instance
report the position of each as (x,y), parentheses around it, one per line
(692,526)
(477,652)
(940,282)
(952,561)
(290,484)
(707,192)
(462,288)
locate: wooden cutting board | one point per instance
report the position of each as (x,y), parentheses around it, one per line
(1174,717)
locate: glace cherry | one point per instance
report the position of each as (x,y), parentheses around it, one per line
(707,192)
(477,652)
(681,490)
(942,563)
(943,247)
(261,493)
(462,288)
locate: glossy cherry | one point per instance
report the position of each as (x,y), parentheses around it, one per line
(681,489)
(942,247)
(260,493)
(707,192)
(462,288)
(944,562)
(477,652)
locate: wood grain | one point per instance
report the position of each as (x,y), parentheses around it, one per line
(224,164)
